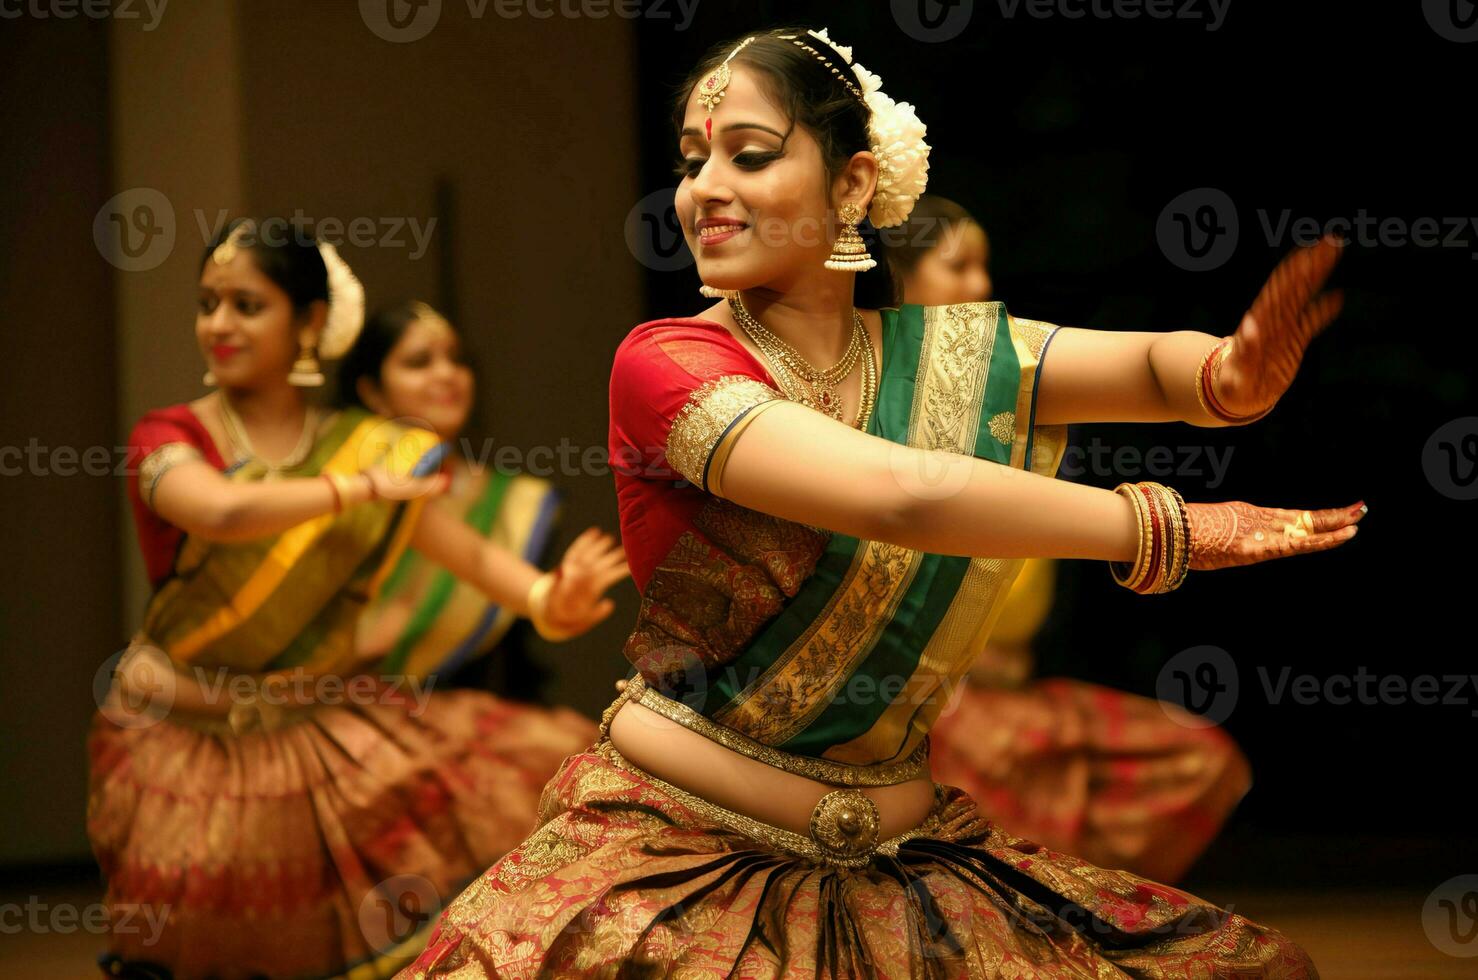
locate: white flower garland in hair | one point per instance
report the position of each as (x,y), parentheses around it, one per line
(897,137)
(345,305)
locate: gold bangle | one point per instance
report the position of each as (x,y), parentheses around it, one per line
(342,487)
(1211,361)
(539,606)
(1159,551)
(1172,539)
(1136,571)
(1183,529)
(1201,379)
(1177,538)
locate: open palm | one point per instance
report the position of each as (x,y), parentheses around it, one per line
(1264,354)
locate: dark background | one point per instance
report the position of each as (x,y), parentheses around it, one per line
(1067,138)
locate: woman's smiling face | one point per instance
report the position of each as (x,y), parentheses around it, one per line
(753,202)
(245,324)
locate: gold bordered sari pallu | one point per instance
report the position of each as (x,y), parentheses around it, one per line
(290,600)
(424,618)
(855,662)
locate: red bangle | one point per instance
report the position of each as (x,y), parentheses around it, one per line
(1208,390)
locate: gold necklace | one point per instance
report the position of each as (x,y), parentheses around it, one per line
(794,361)
(241,442)
(803,382)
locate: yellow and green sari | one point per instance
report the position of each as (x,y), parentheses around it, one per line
(317,839)
(424,620)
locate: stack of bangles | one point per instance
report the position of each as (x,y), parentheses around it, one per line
(1164,555)
(539,609)
(1206,388)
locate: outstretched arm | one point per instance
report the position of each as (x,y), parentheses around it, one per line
(799,465)
(575,600)
(1113,376)
(196,498)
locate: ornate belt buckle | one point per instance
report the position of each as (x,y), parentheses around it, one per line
(844,826)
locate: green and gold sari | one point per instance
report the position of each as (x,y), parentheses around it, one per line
(829,657)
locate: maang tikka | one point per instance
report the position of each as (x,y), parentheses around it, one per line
(710,94)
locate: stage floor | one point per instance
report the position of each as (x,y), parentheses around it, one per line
(1352,935)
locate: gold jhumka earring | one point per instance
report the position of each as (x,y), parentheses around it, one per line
(849,252)
(306,372)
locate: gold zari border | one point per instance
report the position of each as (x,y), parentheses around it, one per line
(160,462)
(711,409)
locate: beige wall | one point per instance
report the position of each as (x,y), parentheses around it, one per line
(276,106)
(532,122)
(59,597)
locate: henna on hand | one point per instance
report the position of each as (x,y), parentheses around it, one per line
(1224,535)
(1269,344)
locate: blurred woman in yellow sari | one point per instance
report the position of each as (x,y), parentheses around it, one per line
(409,364)
(264,800)
(1103,774)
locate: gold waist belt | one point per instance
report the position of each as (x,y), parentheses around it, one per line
(915,766)
(844,824)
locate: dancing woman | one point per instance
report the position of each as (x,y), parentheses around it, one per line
(1116,779)
(409,364)
(254,784)
(759,804)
